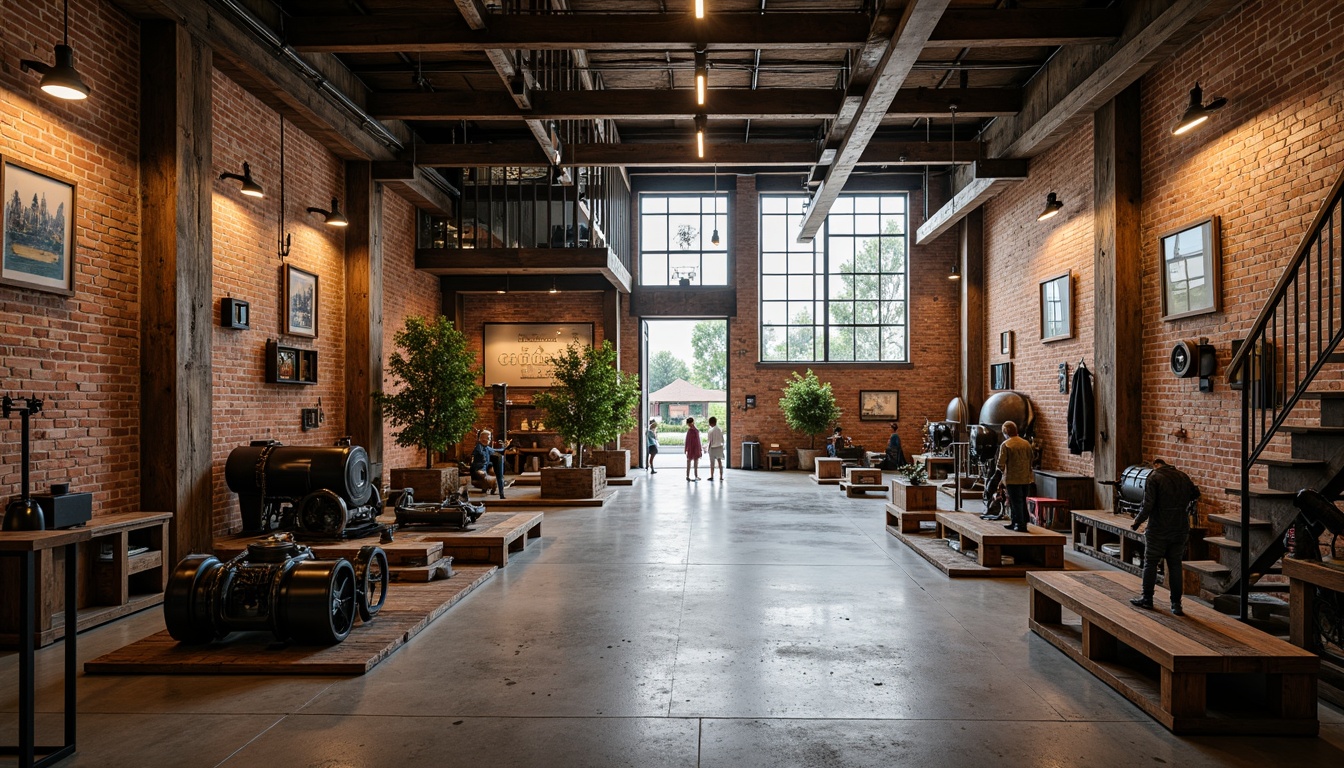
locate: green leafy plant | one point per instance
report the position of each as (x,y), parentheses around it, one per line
(809,406)
(591,402)
(915,474)
(437,382)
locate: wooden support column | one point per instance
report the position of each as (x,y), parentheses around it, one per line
(451,303)
(611,320)
(176,317)
(1118,307)
(973,341)
(364,311)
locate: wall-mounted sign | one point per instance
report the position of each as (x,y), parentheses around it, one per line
(518,354)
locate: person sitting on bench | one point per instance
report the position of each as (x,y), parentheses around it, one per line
(837,441)
(484,459)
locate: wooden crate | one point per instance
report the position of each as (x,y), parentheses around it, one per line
(829,471)
(573,482)
(434,484)
(616,462)
(913,497)
(864,476)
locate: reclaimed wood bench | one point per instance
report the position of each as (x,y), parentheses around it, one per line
(1202,673)
(907,520)
(494,536)
(1037,549)
(829,471)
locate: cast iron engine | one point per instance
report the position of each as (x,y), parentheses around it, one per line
(275,585)
(455,511)
(322,490)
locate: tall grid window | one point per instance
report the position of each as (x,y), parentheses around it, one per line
(844,296)
(675,239)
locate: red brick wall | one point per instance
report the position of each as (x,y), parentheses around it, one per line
(1262,165)
(81,354)
(405,293)
(246,266)
(1020,252)
(524,307)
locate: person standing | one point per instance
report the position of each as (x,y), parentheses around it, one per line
(715,449)
(693,450)
(1167,497)
(651,445)
(895,452)
(1014,461)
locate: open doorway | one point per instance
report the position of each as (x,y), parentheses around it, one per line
(685,376)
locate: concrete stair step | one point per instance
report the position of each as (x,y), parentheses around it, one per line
(1235,521)
(1222,542)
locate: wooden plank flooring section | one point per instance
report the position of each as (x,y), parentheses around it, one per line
(409,609)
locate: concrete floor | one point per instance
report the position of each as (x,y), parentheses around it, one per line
(765,621)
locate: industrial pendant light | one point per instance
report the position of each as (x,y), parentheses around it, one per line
(700,123)
(699,9)
(61,79)
(1197,111)
(701,76)
(714,238)
(955,274)
(250,187)
(334,217)
(1052,207)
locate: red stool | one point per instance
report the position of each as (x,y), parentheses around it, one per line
(1046,512)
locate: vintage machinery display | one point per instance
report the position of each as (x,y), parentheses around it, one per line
(938,437)
(456,511)
(276,585)
(1130,487)
(321,490)
(1316,515)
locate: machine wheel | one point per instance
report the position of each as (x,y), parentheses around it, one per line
(319,602)
(371,577)
(323,511)
(186,601)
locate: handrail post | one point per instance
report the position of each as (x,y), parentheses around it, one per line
(1247,387)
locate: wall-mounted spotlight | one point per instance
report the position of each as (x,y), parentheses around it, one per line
(334,217)
(61,79)
(250,187)
(1052,207)
(1197,111)
(700,123)
(955,274)
(554,289)
(701,76)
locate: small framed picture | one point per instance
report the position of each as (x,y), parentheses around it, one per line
(235,313)
(300,302)
(1006,344)
(37,239)
(1057,307)
(1001,376)
(879,405)
(1191,270)
(287,364)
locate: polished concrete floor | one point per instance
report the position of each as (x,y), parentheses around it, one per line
(764,621)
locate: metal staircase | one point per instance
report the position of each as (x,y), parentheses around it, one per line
(1284,447)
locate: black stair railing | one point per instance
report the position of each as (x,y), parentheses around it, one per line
(1291,340)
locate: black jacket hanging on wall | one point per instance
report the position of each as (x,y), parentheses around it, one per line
(1082,412)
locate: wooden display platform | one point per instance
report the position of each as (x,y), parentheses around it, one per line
(407,560)
(1037,549)
(908,520)
(861,490)
(531,498)
(923,497)
(495,535)
(829,471)
(409,609)
(1186,672)
(1091,528)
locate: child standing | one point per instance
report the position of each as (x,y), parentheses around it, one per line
(715,449)
(693,451)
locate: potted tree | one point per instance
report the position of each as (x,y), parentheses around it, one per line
(809,407)
(591,403)
(433,402)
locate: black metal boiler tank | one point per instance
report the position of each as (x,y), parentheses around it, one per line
(318,489)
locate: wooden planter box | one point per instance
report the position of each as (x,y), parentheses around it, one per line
(434,484)
(616,462)
(913,497)
(573,483)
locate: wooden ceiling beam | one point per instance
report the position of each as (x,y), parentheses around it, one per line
(912,33)
(435,32)
(1077,81)
(761,154)
(736,103)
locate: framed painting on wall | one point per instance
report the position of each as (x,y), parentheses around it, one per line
(879,405)
(1057,307)
(1191,268)
(300,302)
(1006,344)
(1001,376)
(37,238)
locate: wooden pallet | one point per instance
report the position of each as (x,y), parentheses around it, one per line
(1182,671)
(861,490)
(409,609)
(495,535)
(908,520)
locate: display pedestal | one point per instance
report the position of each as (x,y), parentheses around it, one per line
(616,462)
(433,484)
(573,483)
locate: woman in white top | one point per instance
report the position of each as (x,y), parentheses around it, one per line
(715,449)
